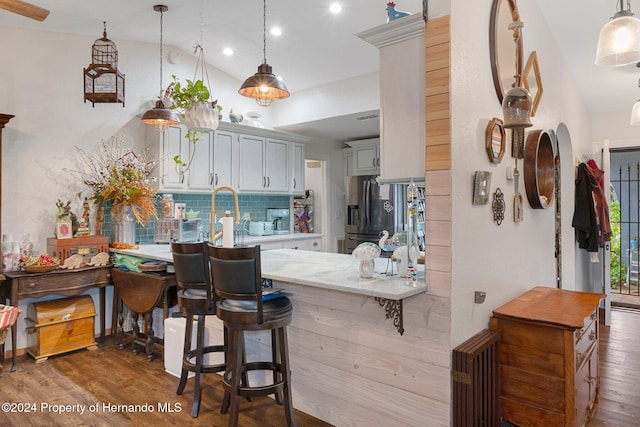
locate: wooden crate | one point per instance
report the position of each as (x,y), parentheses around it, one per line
(87,246)
(59,326)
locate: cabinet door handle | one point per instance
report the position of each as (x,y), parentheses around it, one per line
(592,336)
(264,181)
(315,243)
(181,177)
(294,183)
(268,182)
(374,163)
(211,180)
(216,181)
(591,379)
(378,162)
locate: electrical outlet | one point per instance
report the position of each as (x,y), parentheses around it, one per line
(479,297)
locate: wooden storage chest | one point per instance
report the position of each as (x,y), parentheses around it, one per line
(87,246)
(59,326)
(548,357)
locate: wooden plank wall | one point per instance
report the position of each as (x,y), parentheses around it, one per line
(438,163)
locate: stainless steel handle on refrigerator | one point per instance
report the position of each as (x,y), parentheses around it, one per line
(367,202)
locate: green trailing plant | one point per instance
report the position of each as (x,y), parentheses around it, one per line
(182,97)
(618,269)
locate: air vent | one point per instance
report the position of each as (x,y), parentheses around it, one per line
(369,117)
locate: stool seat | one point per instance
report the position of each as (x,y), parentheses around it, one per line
(237,282)
(196,301)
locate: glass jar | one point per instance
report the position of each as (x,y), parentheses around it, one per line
(167,206)
(123,227)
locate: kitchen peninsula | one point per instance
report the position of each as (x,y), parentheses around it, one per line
(349,363)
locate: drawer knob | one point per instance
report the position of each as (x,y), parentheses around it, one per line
(32,285)
(315,243)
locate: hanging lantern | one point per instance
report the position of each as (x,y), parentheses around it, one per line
(102,81)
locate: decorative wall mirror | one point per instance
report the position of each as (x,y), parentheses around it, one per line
(532,81)
(505,45)
(495,140)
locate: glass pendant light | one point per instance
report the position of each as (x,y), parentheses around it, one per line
(160,117)
(516,108)
(619,41)
(635,111)
(264,86)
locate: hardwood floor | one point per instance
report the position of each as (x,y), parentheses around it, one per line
(106,378)
(109,377)
(619,398)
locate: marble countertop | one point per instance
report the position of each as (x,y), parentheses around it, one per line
(339,272)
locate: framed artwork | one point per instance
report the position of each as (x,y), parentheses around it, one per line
(481,185)
(64,230)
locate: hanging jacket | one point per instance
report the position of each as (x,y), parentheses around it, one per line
(584,215)
(596,175)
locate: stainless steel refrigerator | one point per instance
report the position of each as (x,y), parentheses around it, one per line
(372,208)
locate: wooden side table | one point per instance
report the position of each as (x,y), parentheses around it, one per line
(141,292)
(19,285)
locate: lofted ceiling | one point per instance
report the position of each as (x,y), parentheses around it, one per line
(317,47)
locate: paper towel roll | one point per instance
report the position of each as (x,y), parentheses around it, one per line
(227,232)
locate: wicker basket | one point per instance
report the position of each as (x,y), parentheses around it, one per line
(40,268)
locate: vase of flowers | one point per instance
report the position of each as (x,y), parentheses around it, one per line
(121,176)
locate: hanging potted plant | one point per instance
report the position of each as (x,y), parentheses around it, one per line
(191,100)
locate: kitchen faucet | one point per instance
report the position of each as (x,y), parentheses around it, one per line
(218,235)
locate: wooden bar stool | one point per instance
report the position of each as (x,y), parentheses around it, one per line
(237,282)
(195,298)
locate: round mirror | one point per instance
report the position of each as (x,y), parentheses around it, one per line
(505,45)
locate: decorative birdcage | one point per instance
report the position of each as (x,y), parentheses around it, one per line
(103,82)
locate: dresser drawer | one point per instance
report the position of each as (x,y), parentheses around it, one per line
(585,339)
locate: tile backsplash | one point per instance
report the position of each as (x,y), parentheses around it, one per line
(255,204)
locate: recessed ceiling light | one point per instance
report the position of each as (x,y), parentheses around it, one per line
(335,8)
(276,31)
(227,51)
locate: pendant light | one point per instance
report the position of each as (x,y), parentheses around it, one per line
(160,117)
(635,111)
(264,86)
(619,41)
(517,103)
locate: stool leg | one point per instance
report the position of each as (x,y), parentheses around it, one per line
(228,355)
(199,361)
(236,369)
(286,377)
(275,357)
(184,374)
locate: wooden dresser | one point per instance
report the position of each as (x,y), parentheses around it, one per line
(548,357)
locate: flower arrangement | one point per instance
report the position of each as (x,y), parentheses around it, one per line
(121,175)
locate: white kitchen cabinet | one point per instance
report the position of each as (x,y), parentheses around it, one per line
(304,244)
(248,159)
(347,155)
(297,168)
(263,164)
(201,157)
(224,158)
(402,101)
(366,157)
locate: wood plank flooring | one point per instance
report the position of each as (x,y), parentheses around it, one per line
(619,398)
(106,378)
(110,377)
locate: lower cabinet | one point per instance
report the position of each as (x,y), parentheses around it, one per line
(548,357)
(314,244)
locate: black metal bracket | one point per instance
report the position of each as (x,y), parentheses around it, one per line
(393,310)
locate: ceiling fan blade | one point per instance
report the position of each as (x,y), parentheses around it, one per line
(25,9)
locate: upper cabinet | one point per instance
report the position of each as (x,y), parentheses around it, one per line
(365,156)
(251,160)
(402,99)
(297,168)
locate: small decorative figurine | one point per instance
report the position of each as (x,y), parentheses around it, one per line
(392,13)
(234,117)
(83,227)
